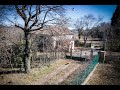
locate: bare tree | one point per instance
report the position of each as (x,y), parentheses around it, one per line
(79,25)
(104,28)
(35,17)
(84,25)
(5,11)
(2,13)
(62,25)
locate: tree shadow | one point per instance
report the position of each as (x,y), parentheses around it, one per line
(11,71)
(76,58)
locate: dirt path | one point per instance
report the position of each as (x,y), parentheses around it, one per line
(74,74)
(37,74)
(107,73)
(56,73)
(59,74)
(63,74)
(53,73)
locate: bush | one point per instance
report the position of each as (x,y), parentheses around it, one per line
(114,45)
(43,43)
(11,55)
(5,55)
(88,45)
(77,43)
(17,54)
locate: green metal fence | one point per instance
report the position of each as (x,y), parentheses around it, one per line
(83,75)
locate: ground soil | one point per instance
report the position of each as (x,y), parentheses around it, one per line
(107,73)
(54,74)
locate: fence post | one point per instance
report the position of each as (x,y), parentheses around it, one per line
(91,54)
(102,56)
(81,53)
(71,52)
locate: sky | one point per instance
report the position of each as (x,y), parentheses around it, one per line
(78,11)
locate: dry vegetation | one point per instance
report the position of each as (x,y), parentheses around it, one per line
(108,73)
(57,73)
(36,73)
(73,76)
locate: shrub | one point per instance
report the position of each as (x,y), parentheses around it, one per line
(5,55)
(17,54)
(77,43)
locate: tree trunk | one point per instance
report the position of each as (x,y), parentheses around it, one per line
(26,56)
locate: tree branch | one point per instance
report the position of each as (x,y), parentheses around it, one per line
(20,13)
(19,27)
(37,29)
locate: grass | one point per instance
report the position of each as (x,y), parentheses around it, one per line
(38,75)
(26,79)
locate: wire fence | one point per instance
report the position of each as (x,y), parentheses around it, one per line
(46,58)
(81,76)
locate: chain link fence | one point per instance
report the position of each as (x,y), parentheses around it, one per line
(81,76)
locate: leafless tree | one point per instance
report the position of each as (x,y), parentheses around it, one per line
(84,25)
(35,17)
(79,25)
(5,11)
(2,13)
(62,25)
(105,29)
